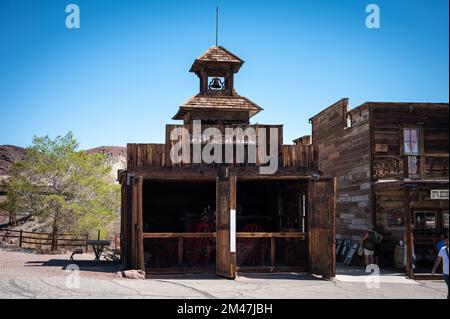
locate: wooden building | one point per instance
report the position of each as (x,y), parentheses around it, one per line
(188,216)
(391,165)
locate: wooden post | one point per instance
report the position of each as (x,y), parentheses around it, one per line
(226,224)
(134,208)
(140,227)
(180,251)
(54,241)
(409,242)
(20,239)
(87,238)
(272,251)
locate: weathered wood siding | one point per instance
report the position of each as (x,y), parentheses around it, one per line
(389,163)
(141,156)
(344,152)
(321,232)
(390,205)
(388,120)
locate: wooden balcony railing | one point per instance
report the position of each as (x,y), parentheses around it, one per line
(413,167)
(158,155)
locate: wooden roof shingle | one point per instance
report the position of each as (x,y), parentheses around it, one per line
(234,102)
(217,54)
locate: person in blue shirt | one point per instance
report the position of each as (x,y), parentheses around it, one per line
(441,242)
(443,257)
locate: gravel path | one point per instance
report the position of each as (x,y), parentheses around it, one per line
(27,275)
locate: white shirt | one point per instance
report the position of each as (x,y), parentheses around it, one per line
(444,255)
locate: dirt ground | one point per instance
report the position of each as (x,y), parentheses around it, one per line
(28,275)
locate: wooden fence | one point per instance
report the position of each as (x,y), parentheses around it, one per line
(44,239)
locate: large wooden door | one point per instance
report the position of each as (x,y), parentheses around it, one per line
(321,229)
(226,225)
(137,241)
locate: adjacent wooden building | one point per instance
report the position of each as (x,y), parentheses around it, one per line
(391,165)
(185,216)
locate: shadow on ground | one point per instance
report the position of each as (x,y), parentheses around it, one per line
(84,265)
(342,269)
(212,276)
(281,276)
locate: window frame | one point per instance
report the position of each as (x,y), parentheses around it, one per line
(420,140)
(424,230)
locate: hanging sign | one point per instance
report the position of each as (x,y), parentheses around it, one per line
(439,194)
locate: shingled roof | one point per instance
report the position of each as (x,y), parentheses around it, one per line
(217,54)
(219,102)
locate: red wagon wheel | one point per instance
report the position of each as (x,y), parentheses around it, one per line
(162,253)
(252,249)
(198,249)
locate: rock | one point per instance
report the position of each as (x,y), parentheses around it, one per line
(133,274)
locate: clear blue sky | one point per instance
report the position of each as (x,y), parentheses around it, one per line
(122,76)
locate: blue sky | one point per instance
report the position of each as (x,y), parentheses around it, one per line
(122,76)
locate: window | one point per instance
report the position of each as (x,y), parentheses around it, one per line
(411,145)
(445,221)
(349,122)
(411,148)
(425,222)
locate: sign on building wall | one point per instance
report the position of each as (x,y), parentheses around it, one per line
(439,194)
(395,218)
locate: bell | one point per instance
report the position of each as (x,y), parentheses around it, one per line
(216,84)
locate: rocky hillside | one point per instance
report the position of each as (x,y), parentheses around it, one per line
(116,157)
(8,155)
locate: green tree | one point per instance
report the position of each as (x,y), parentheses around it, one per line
(64,187)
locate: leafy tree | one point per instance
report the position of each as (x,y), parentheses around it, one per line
(10,206)
(64,187)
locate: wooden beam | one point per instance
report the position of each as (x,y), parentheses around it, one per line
(179,235)
(134,208)
(180,251)
(210,173)
(408,232)
(238,235)
(273,269)
(272,235)
(272,251)
(140,227)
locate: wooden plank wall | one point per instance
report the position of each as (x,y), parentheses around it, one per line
(389,204)
(388,121)
(321,230)
(156,155)
(345,154)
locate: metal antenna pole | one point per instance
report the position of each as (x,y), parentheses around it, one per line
(217,25)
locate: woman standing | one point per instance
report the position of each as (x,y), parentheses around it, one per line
(370,239)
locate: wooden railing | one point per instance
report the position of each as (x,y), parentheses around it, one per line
(158,155)
(25,238)
(182,237)
(302,156)
(398,167)
(154,155)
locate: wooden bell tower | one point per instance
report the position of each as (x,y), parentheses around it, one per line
(217,101)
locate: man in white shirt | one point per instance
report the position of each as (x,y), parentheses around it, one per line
(443,256)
